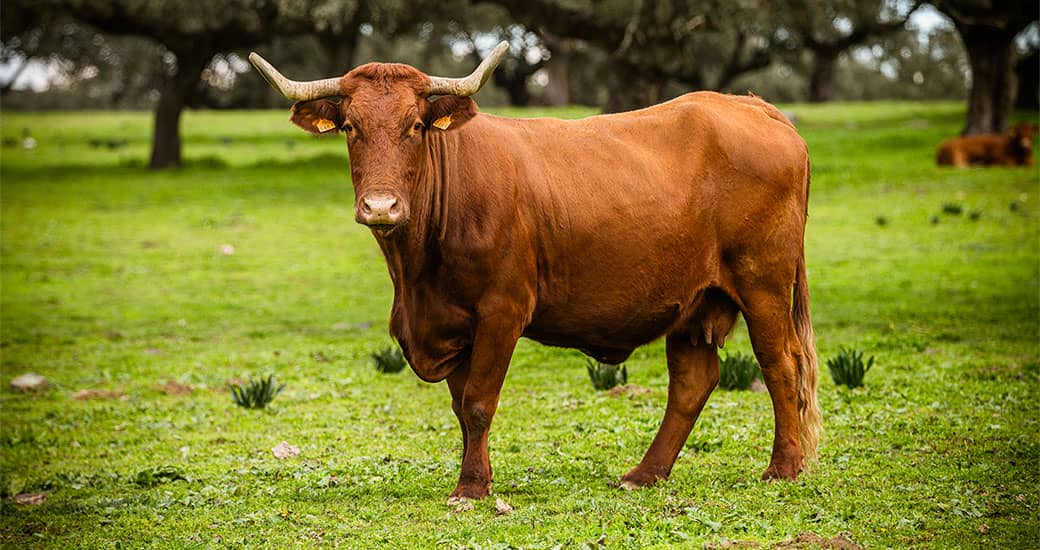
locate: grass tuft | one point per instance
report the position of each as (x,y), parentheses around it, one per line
(389,360)
(605,376)
(255,394)
(150,477)
(848,369)
(738,371)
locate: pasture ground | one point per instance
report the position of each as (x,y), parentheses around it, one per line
(113,280)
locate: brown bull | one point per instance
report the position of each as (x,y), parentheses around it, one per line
(600,234)
(1012,149)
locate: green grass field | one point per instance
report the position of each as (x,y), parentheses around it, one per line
(113,280)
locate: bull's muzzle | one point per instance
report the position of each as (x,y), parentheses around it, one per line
(380,211)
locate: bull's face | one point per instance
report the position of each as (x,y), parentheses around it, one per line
(1023,134)
(386,122)
(387,115)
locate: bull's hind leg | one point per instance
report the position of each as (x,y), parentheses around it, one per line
(778,351)
(693,372)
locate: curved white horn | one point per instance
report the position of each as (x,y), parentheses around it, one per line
(292,89)
(471,84)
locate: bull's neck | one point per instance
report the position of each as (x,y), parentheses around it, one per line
(413,249)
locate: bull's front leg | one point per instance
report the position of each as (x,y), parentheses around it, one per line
(493,347)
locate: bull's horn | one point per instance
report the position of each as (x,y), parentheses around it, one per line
(471,84)
(292,89)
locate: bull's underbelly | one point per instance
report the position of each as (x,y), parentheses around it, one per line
(607,340)
(616,295)
(609,323)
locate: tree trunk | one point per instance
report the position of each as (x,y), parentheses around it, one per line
(821,83)
(557,90)
(992,79)
(340,49)
(630,89)
(516,89)
(174,95)
(1027,72)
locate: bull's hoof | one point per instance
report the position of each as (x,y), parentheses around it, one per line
(639,478)
(628,485)
(464,493)
(781,471)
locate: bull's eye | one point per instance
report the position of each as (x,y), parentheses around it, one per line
(347,127)
(417,127)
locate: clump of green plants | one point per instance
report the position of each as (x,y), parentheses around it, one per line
(738,371)
(255,394)
(389,360)
(605,376)
(848,367)
(881,221)
(952,208)
(974,215)
(158,475)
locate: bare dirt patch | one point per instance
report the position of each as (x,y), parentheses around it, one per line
(171,387)
(630,391)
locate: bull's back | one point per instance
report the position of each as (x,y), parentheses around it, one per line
(634,211)
(968,150)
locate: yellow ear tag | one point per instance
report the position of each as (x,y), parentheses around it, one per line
(324,125)
(443,122)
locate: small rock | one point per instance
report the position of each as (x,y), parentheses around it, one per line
(758,385)
(502,507)
(29,382)
(30,499)
(284,450)
(984,528)
(105,395)
(464,505)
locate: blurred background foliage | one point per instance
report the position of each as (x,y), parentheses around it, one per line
(168,55)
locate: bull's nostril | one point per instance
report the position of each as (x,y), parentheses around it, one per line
(365,208)
(395,208)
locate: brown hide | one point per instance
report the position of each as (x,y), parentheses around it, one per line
(599,234)
(1012,149)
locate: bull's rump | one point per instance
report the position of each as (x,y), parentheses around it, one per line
(637,214)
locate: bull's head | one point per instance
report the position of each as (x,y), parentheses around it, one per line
(386,112)
(1023,135)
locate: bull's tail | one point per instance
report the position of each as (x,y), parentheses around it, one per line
(810,420)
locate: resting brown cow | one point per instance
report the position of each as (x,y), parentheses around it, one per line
(1012,149)
(600,234)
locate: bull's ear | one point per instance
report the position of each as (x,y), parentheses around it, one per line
(318,116)
(450,112)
